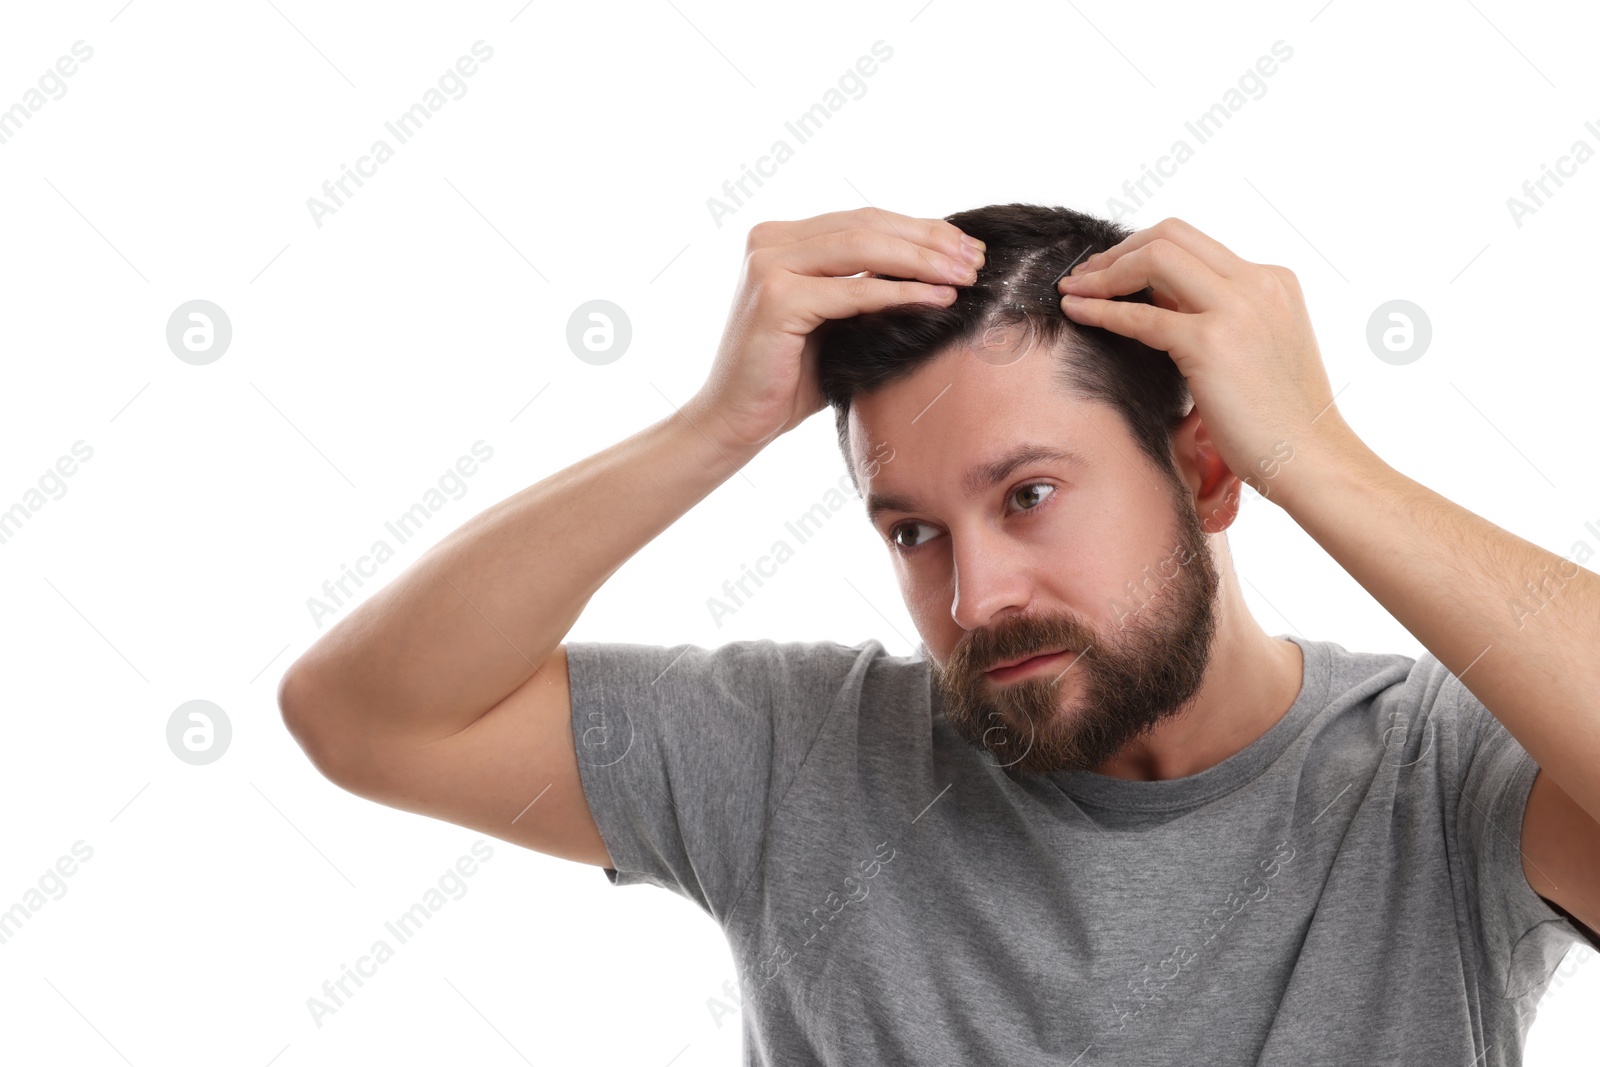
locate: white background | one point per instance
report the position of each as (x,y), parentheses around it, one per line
(430,311)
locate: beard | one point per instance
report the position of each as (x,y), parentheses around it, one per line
(1144,672)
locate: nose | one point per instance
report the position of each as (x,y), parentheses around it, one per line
(990,578)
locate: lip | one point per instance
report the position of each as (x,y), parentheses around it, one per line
(1028,664)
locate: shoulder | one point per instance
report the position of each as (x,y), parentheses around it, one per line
(1395,682)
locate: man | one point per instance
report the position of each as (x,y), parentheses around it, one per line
(1100,816)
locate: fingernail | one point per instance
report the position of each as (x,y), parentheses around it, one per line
(971,253)
(973,241)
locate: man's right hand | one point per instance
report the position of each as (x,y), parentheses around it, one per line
(797,274)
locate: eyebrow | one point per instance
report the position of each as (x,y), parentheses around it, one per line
(980,477)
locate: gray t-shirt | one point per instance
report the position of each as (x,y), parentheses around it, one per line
(1347,889)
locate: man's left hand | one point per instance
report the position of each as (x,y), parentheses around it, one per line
(1237,330)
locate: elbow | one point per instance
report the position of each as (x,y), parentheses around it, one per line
(292,699)
(306,713)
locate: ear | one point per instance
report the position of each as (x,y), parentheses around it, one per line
(1216,489)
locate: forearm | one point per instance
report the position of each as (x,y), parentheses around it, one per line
(473,618)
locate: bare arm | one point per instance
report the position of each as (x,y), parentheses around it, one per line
(474,617)
(446,692)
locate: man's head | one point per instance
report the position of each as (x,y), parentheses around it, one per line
(1105,555)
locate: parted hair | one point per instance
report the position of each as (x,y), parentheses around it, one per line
(1028,247)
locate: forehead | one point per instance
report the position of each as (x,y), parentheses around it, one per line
(960,411)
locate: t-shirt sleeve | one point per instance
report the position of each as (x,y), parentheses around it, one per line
(685,753)
(1521,935)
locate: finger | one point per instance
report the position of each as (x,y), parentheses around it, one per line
(1179,280)
(845,252)
(1209,251)
(935,234)
(1158,328)
(840,298)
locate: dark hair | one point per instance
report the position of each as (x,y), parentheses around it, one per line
(1028,246)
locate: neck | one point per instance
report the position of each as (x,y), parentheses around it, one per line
(1250,683)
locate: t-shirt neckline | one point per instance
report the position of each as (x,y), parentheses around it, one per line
(1105,791)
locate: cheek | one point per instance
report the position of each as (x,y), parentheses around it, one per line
(1142,565)
(928,598)
(1094,553)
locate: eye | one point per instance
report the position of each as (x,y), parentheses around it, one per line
(1026,490)
(1031,486)
(894,537)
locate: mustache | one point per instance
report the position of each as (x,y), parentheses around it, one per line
(1019,637)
